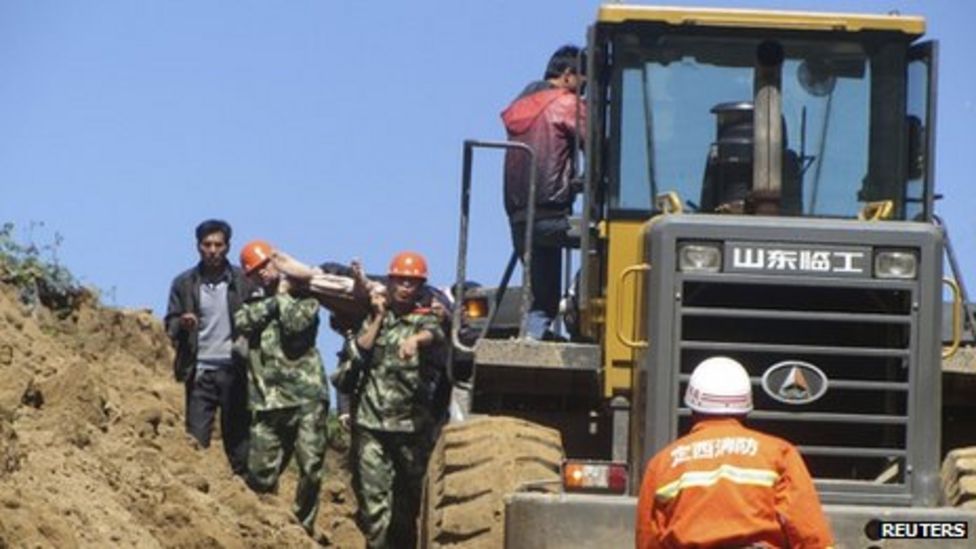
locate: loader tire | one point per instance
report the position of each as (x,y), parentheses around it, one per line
(959,478)
(474,464)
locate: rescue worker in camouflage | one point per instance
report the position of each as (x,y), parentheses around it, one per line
(287,394)
(393,420)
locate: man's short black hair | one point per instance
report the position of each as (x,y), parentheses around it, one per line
(565,58)
(211,226)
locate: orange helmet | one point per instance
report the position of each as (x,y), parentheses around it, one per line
(409,264)
(254,255)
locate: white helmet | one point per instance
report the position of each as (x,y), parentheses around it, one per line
(719,386)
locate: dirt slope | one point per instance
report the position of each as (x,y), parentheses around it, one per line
(93,453)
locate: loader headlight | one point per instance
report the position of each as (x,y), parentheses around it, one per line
(475,307)
(901,264)
(699,257)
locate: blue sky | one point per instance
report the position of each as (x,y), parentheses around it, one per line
(332,129)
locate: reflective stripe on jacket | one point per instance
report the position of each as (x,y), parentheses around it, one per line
(724,485)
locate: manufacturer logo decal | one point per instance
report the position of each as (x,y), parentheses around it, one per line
(786,259)
(794,382)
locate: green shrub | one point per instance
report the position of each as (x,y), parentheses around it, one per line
(36,273)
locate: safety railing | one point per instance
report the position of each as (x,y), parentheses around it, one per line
(462,259)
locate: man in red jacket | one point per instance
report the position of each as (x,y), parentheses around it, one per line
(723,485)
(546,116)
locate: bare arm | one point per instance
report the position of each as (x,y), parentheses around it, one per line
(293,267)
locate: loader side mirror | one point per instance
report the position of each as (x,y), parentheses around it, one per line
(816,77)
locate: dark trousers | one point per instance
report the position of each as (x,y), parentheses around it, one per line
(548,240)
(224,388)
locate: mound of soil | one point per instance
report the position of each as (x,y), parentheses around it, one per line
(93,451)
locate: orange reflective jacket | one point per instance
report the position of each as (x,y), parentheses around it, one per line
(724,485)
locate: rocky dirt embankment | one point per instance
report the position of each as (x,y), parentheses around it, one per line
(93,452)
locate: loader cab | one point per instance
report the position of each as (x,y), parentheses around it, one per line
(676,105)
(854,109)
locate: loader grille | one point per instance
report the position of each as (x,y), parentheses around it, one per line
(858,332)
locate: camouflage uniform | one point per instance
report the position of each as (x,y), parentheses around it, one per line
(288,396)
(392,429)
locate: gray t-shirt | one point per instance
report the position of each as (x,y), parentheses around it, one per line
(214,349)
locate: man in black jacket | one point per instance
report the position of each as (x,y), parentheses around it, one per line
(200,323)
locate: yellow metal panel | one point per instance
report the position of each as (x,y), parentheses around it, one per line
(740,18)
(625,248)
(593,310)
